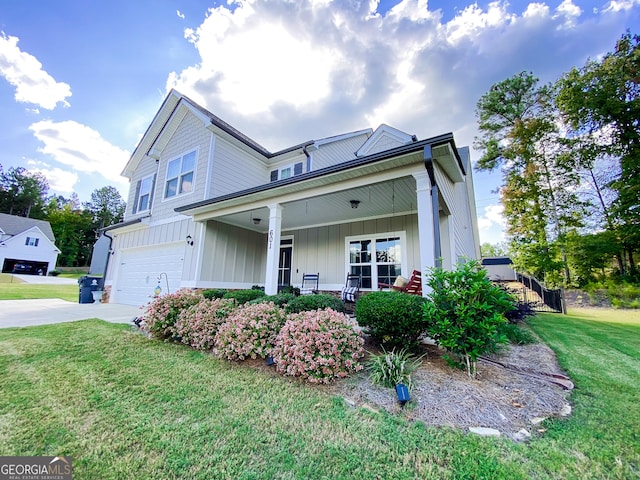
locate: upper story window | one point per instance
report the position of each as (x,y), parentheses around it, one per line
(144,194)
(286,171)
(180,175)
(31,242)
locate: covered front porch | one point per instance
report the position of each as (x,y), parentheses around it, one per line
(377,222)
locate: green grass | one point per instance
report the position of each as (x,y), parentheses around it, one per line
(21,291)
(8,278)
(124,406)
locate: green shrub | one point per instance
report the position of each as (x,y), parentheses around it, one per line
(517,334)
(290,289)
(162,312)
(389,369)
(214,293)
(281,299)
(244,296)
(307,303)
(54,273)
(465,313)
(393,318)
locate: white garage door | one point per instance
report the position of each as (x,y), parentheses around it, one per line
(140,270)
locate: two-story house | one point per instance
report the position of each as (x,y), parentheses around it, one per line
(209,207)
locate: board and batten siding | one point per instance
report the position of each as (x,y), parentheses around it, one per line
(234,169)
(336,152)
(232,257)
(323,249)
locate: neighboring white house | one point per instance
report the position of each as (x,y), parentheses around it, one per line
(28,244)
(499,268)
(208,207)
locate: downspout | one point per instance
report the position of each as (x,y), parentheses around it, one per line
(308,155)
(428,164)
(106,263)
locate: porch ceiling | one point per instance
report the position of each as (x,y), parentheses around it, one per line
(377,200)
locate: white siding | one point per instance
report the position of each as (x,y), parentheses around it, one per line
(235,170)
(385,142)
(337,152)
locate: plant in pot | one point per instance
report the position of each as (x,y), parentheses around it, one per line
(393,370)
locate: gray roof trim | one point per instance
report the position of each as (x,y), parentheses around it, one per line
(14,225)
(357,162)
(121,224)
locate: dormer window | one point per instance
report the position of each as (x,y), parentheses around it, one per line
(180,175)
(286,171)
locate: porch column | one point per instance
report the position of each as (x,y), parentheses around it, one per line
(273,249)
(426,232)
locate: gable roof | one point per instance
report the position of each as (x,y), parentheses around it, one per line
(394,135)
(14,225)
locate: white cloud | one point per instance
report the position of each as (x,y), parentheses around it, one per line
(62,181)
(621,5)
(180,14)
(491,224)
(25,73)
(82,148)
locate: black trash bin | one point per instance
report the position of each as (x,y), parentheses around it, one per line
(87,285)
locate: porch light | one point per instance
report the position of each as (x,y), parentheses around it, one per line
(256,221)
(189,241)
(354,203)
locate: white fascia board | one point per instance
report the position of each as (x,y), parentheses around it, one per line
(323,141)
(383,129)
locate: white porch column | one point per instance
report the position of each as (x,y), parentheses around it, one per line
(426,234)
(273,249)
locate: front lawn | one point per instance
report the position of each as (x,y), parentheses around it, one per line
(23,291)
(124,406)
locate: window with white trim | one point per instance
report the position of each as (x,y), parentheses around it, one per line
(143,202)
(376,258)
(180,175)
(31,241)
(286,171)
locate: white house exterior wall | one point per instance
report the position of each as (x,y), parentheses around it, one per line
(322,249)
(385,142)
(336,152)
(233,169)
(232,257)
(15,248)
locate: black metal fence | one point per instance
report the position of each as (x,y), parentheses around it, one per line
(546,300)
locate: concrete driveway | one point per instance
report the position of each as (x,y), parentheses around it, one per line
(26,313)
(46,279)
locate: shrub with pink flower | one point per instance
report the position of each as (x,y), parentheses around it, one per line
(318,346)
(162,312)
(250,331)
(199,323)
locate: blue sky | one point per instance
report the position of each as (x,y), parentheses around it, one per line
(81,81)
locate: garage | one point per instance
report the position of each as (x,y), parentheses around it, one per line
(141,270)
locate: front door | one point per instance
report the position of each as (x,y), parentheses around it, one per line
(284,263)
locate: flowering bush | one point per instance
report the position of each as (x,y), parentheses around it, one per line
(162,312)
(318,346)
(199,323)
(250,331)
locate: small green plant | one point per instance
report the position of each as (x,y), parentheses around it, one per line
(214,293)
(517,334)
(290,289)
(465,313)
(244,296)
(306,303)
(389,369)
(393,318)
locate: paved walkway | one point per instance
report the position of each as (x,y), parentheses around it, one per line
(25,313)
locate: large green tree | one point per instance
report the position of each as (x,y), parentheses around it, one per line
(73,229)
(106,206)
(22,192)
(601,102)
(519,135)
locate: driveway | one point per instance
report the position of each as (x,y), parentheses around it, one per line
(46,279)
(26,313)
